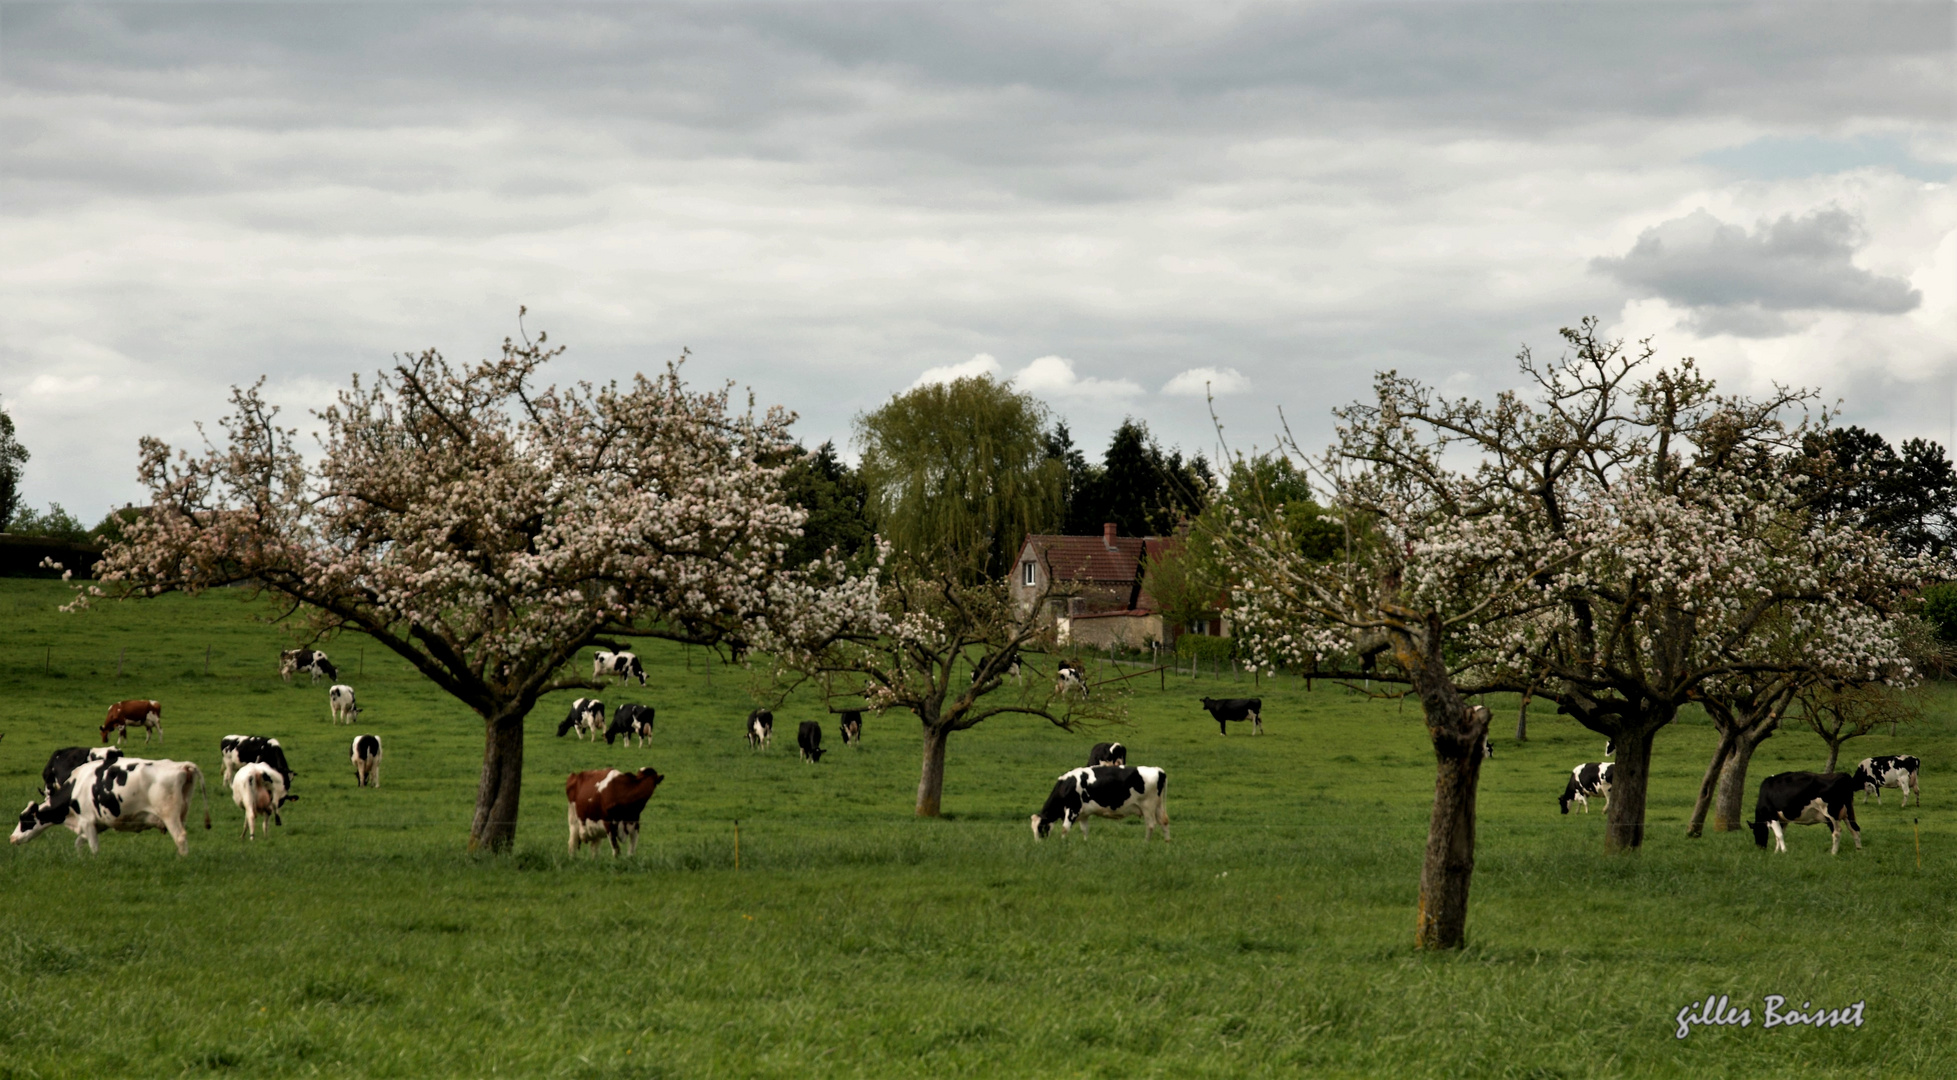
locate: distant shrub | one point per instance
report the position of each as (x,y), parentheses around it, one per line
(56,524)
(1210,650)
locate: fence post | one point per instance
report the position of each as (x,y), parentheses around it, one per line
(47,662)
(207,658)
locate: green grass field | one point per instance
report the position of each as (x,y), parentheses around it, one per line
(1272,938)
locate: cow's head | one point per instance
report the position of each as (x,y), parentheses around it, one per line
(1061,803)
(1760,833)
(41,815)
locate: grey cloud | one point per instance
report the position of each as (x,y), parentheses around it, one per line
(1748,280)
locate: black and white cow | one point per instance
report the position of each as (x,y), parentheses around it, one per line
(292,661)
(1107,753)
(760,728)
(258,789)
(340,704)
(587,716)
(1891,770)
(1109,791)
(852,726)
(622,664)
(1225,710)
(631,721)
(1070,677)
(1588,781)
(67,759)
(367,761)
(127,795)
(809,738)
(1806,798)
(241,750)
(1010,668)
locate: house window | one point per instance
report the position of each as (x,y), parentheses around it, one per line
(1026,573)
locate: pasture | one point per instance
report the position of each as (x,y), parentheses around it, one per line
(1270,939)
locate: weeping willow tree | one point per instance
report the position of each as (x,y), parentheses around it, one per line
(958,473)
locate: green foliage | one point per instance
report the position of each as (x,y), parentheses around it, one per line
(1208,650)
(110,529)
(838,506)
(13,457)
(1142,489)
(958,473)
(56,524)
(1270,939)
(1940,610)
(1185,585)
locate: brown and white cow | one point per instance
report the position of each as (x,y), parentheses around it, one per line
(606,803)
(143,713)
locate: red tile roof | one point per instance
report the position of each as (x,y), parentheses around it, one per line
(1088,559)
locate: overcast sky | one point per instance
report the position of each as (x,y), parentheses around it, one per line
(1113,205)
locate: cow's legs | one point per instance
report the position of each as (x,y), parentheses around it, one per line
(179,834)
(571,815)
(1780,837)
(1256,724)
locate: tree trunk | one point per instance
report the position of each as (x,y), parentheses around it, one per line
(494,827)
(1522,721)
(1449,866)
(1715,772)
(1834,755)
(931,777)
(1629,777)
(1732,784)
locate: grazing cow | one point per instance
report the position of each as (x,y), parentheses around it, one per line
(1070,676)
(760,728)
(127,795)
(1893,770)
(622,664)
(587,715)
(340,703)
(292,661)
(321,668)
(366,761)
(1610,747)
(1010,667)
(1487,748)
(143,713)
(258,789)
(852,727)
(1806,798)
(631,720)
(1107,753)
(1109,791)
(809,738)
(608,803)
(1587,781)
(241,750)
(1225,710)
(69,758)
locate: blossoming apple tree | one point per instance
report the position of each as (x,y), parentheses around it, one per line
(486,529)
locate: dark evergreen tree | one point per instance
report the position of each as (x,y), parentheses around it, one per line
(12,457)
(1142,489)
(1911,496)
(838,505)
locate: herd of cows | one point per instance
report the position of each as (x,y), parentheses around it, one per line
(88,790)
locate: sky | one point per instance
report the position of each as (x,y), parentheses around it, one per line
(1125,209)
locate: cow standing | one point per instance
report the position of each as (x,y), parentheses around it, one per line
(760,728)
(852,727)
(321,668)
(1070,677)
(128,795)
(340,705)
(587,716)
(631,721)
(366,761)
(1228,710)
(1106,791)
(258,790)
(622,664)
(1587,781)
(69,758)
(1010,666)
(241,750)
(292,661)
(1107,753)
(1893,770)
(141,712)
(1805,798)
(606,803)
(809,738)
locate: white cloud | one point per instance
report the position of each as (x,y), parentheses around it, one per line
(1201,381)
(1054,375)
(982,364)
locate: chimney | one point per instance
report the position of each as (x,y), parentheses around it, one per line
(1107,535)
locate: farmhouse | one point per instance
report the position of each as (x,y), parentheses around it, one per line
(1099,595)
